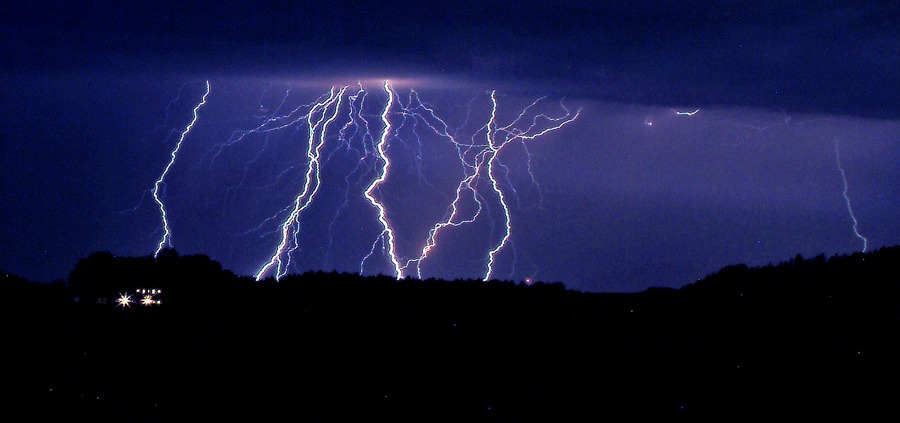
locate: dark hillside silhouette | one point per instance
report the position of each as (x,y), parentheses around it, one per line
(810,337)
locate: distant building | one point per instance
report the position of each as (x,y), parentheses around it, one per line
(147,297)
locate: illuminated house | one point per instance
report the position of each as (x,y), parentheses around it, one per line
(149,296)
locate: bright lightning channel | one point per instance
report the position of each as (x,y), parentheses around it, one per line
(687,113)
(837,158)
(479,157)
(491,129)
(513,133)
(290,228)
(387,233)
(486,153)
(167,232)
(465,185)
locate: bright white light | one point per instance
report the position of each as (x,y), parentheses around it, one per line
(147,300)
(124,300)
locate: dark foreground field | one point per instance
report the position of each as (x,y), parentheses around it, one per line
(808,338)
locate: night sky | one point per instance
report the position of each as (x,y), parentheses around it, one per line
(708,133)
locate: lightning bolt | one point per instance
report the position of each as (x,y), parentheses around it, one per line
(290,228)
(494,148)
(387,234)
(486,155)
(837,159)
(167,232)
(471,172)
(485,181)
(687,113)
(360,126)
(512,133)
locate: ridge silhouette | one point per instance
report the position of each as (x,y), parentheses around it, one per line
(807,337)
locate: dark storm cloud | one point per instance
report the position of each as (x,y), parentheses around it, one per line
(634,195)
(798,56)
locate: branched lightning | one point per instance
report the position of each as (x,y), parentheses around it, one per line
(466,185)
(486,159)
(494,148)
(167,233)
(387,234)
(360,125)
(512,133)
(837,159)
(482,193)
(472,196)
(290,228)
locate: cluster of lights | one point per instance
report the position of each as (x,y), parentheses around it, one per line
(148,298)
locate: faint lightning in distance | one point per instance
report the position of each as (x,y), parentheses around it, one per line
(167,232)
(837,159)
(681,113)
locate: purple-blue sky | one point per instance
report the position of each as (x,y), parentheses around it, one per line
(629,195)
